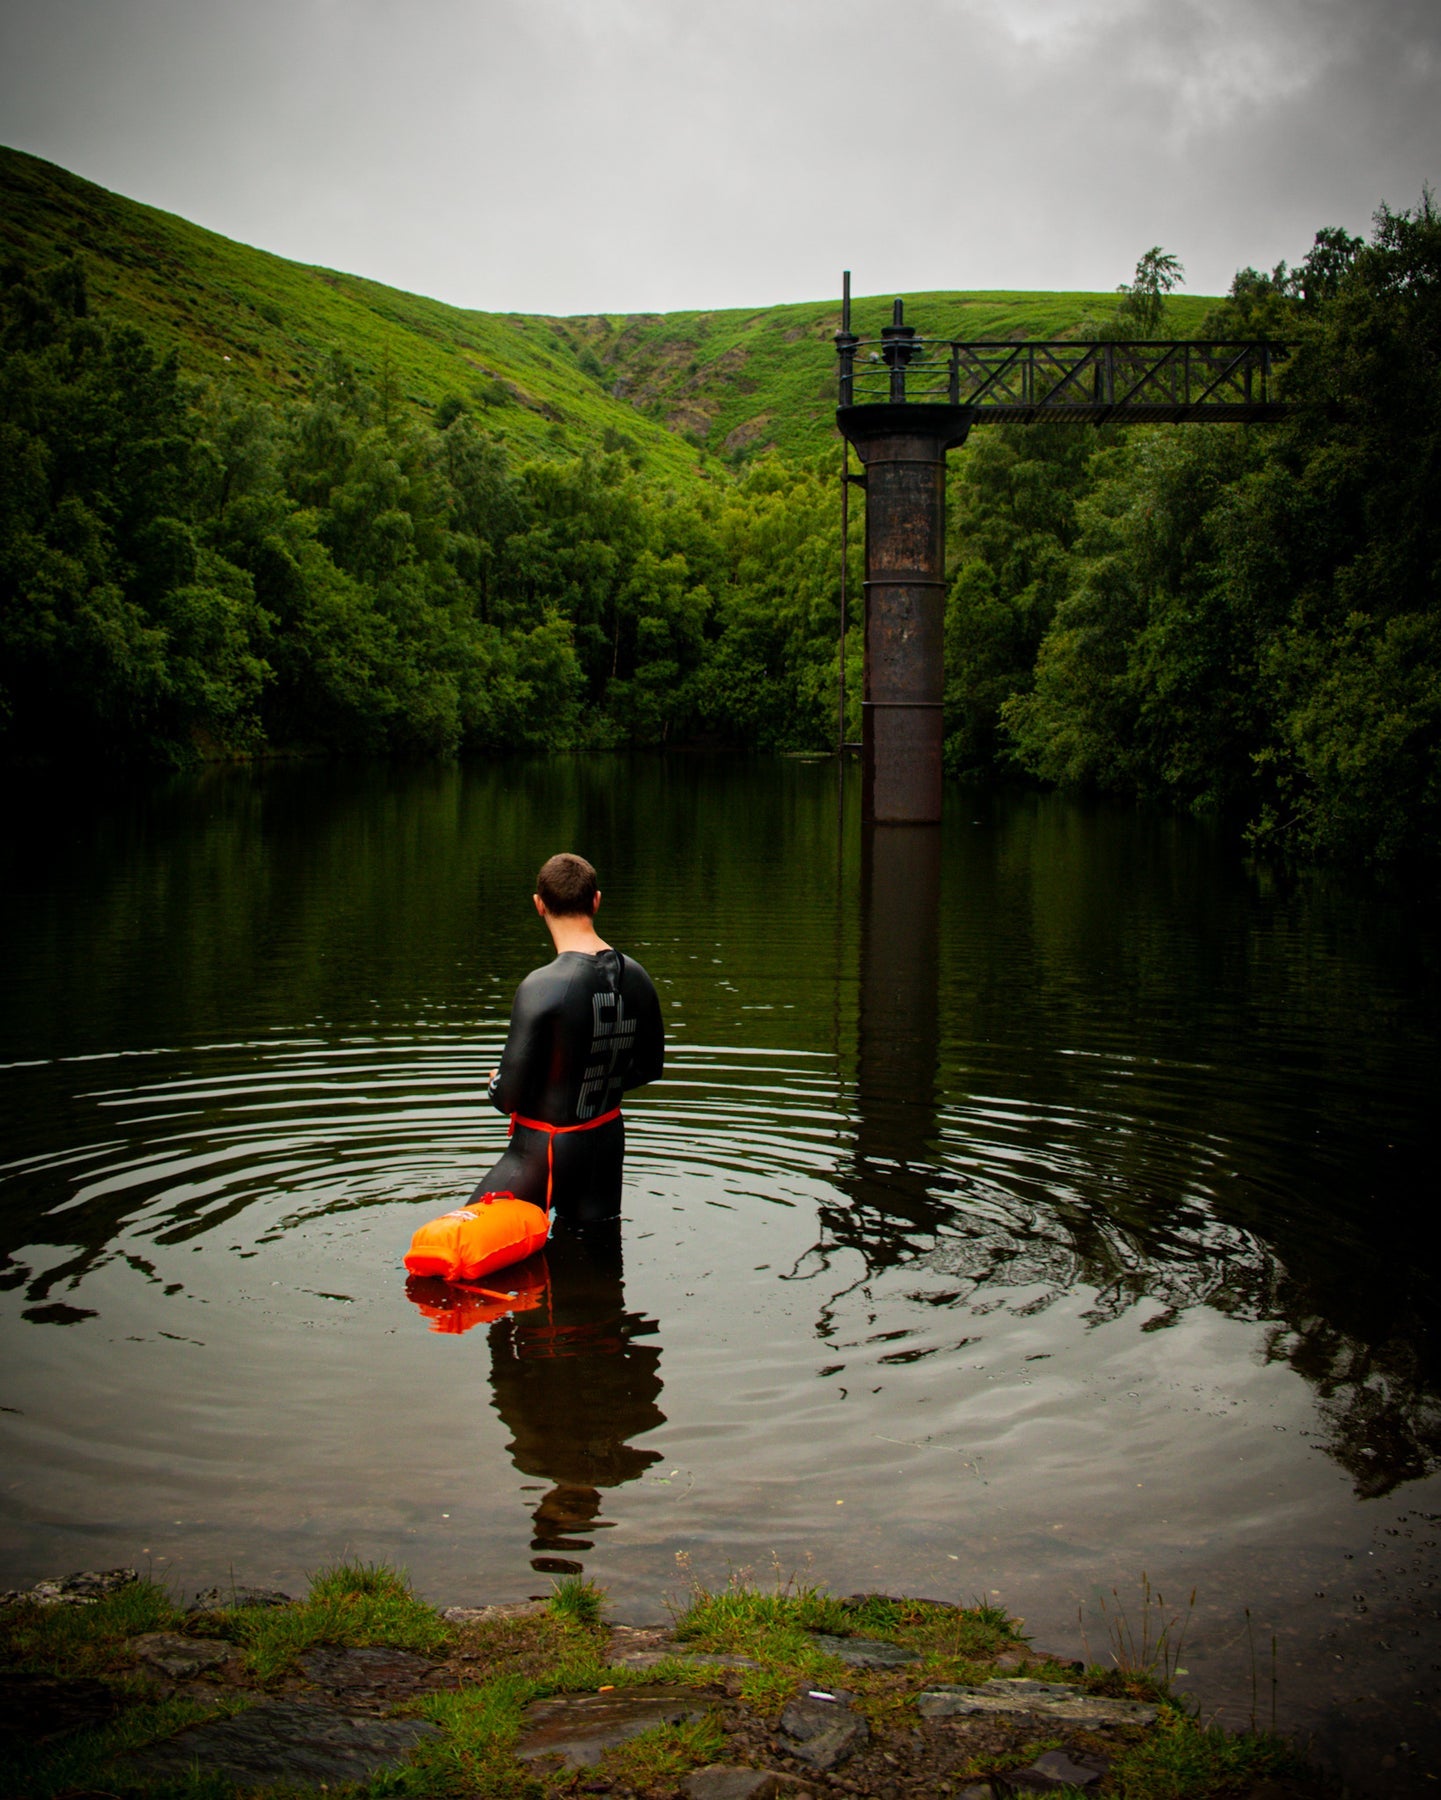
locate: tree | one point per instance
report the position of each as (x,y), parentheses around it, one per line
(1142,312)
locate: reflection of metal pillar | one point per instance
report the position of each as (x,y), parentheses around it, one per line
(903,448)
(899,1008)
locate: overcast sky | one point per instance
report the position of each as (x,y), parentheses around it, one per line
(642,155)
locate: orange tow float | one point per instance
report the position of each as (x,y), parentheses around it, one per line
(476,1240)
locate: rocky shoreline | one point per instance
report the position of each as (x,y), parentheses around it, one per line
(751,1722)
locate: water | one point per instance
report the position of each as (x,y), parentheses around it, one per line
(1028,1205)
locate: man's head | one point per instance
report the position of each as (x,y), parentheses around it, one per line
(567,888)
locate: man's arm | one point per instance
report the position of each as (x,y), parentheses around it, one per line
(649,1057)
(525,1060)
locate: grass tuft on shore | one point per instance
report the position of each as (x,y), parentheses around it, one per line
(348,1603)
(1182,1759)
(578,1601)
(83,1640)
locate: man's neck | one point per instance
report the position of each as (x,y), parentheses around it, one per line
(574,931)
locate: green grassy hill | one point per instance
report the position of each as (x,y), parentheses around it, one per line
(678,391)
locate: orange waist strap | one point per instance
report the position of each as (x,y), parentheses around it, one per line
(552,1132)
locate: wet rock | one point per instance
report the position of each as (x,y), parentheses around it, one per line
(362,1674)
(508,1609)
(693,1659)
(82,1589)
(227,1599)
(1054,1770)
(36,1708)
(1047,1699)
(181,1658)
(283,1740)
(865,1653)
(579,1727)
(821,1733)
(721,1783)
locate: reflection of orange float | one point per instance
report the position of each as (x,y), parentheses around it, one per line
(457,1306)
(491,1233)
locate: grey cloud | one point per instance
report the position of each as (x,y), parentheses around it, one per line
(574,155)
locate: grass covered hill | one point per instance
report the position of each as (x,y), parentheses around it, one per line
(675,391)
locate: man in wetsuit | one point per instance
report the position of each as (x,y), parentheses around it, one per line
(583,1030)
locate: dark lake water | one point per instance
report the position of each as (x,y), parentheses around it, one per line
(1030,1204)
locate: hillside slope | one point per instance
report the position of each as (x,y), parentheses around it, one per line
(676,391)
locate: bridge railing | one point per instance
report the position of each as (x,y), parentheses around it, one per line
(1007,382)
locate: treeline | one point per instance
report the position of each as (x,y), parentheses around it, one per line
(1243,620)
(183,572)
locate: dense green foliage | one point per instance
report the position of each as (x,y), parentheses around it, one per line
(186,570)
(1234,619)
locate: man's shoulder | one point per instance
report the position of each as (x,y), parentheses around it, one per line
(547,983)
(636,977)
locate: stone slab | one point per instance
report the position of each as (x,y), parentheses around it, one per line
(719,1782)
(81,1589)
(821,1733)
(283,1740)
(865,1653)
(181,1658)
(579,1728)
(367,1671)
(1047,1699)
(228,1599)
(1054,1770)
(506,1609)
(693,1659)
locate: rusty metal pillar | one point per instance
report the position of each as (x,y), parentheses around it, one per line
(903,449)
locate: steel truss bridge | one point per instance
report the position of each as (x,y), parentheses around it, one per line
(1002,382)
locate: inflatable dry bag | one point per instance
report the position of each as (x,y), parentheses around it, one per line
(491,1233)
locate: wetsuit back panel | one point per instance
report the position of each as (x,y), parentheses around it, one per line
(583,1031)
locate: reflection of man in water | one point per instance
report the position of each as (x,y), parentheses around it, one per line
(583,1030)
(573,1388)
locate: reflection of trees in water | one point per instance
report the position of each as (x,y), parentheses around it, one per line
(1112,1172)
(1378,1408)
(574,1387)
(1378,1412)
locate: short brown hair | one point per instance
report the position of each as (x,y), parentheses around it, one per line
(567,885)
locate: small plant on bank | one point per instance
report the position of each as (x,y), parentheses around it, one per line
(1150,1650)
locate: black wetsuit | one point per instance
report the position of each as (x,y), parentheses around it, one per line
(583,1030)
